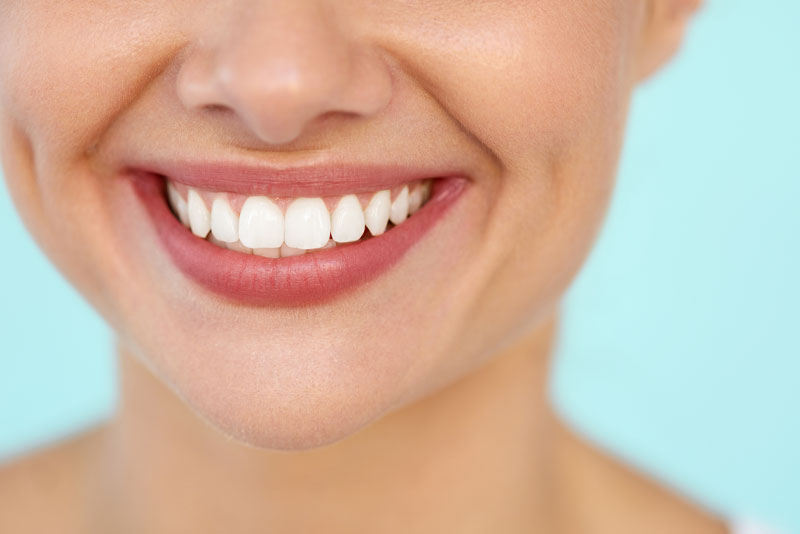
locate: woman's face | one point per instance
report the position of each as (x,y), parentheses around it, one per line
(514,107)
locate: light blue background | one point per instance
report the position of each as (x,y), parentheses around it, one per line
(680,346)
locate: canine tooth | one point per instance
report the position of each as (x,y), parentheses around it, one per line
(399,210)
(268,252)
(287,251)
(261,223)
(224,222)
(376,215)
(199,217)
(347,220)
(238,247)
(415,199)
(308,223)
(178,204)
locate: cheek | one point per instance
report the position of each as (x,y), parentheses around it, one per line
(544,86)
(545,90)
(525,77)
(66,70)
(69,67)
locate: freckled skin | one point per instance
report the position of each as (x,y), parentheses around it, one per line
(529,97)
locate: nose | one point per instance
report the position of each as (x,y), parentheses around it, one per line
(281,64)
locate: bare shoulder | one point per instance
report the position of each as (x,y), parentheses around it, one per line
(46,491)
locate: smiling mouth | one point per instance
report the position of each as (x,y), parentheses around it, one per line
(281,227)
(271,243)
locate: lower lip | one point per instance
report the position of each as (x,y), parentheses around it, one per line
(299,280)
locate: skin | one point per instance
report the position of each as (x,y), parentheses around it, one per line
(403,404)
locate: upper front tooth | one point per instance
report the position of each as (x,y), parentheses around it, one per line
(347,220)
(308,224)
(377,213)
(178,204)
(199,217)
(399,209)
(261,223)
(224,222)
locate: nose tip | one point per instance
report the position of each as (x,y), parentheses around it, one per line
(278,70)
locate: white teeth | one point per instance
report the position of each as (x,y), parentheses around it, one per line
(238,247)
(377,213)
(264,230)
(347,220)
(178,204)
(308,224)
(199,217)
(267,252)
(399,209)
(287,251)
(224,222)
(415,199)
(261,223)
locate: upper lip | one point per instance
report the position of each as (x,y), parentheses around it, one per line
(265,178)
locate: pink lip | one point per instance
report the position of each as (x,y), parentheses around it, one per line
(299,280)
(268,179)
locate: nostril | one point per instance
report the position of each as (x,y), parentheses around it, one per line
(283,69)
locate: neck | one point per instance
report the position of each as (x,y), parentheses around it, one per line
(485,454)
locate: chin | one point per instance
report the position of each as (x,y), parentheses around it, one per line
(287,393)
